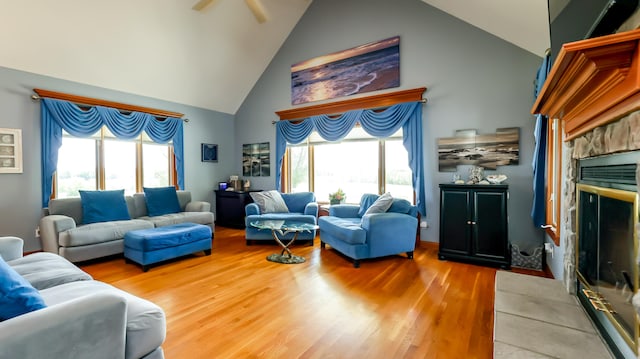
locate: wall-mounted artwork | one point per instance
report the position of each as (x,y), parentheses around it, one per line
(209,152)
(489,151)
(10,150)
(256,160)
(369,67)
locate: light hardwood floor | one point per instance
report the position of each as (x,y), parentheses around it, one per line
(235,304)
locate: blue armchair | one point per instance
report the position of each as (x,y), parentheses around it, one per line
(302,207)
(360,236)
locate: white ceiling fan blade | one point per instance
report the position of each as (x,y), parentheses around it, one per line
(200,5)
(257,9)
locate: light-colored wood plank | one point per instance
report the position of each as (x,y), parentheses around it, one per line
(235,304)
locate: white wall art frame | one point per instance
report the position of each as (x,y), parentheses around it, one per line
(10,150)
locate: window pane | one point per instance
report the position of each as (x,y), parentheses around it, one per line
(76,166)
(120,165)
(351,166)
(155,165)
(299,168)
(397,171)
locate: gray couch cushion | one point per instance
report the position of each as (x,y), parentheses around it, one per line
(146,323)
(205,218)
(100,232)
(46,270)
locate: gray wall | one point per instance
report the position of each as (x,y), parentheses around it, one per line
(20,204)
(475,81)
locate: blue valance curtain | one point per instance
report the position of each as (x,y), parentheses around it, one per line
(538,210)
(57,115)
(378,124)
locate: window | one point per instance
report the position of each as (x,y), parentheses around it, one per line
(106,162)
(358,164)
(554,171)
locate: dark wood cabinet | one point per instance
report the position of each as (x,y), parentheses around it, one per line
(474,224)
(230,208)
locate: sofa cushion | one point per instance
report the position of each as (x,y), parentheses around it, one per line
(146,323)
(345,229)
(176,218)
(17,296)
(45,270)
(381,205)
(161,200)
(297,202)
(366,201)
(269,201)
(100,232)
(103,206)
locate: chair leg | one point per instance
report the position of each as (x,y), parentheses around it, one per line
(356,263)
(410,255)
(322,246)
(207,252)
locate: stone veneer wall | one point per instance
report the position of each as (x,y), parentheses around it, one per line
(620,136)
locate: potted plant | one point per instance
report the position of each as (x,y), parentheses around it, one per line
(337,197)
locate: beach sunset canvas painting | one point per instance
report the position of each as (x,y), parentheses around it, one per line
(369,67)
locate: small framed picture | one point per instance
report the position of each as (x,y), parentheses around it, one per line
(10,150)
(209,152)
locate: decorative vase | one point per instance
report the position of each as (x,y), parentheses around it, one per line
(336,201)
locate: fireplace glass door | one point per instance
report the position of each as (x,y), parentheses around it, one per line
(606,254)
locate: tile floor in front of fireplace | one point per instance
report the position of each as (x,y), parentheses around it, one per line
(536,318)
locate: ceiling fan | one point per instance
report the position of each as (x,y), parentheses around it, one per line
(254,5)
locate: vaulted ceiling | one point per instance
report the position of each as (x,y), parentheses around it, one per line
(210,58)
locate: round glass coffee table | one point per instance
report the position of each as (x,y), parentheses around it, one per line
(284,227)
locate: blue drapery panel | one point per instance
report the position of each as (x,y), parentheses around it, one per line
(378,124)
(57,115)
(538,210)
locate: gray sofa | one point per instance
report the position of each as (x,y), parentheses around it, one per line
(83,318)
(62,231)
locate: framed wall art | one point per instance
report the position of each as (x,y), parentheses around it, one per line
(209,152)
(256,160)
(369,67)
(10,150)
(501,148)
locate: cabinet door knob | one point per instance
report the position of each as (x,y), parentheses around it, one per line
(468,222)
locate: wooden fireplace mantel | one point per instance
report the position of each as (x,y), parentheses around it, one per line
(593,82)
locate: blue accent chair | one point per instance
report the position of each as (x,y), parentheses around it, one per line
(360,236)
(302,207)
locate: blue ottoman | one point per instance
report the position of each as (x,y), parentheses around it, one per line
(149,246)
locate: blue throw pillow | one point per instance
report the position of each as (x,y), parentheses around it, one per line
(17,296)
(103,206)
(161,200)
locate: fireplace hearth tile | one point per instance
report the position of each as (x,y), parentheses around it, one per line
(536,318)
(550,311)
(506,351)
(548,339)
(543,288)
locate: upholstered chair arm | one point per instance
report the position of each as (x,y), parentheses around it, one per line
(50,228)
(311,209)
(11,248)
(390,226)
(198,206)
(344,210)
(251,209)
(91,326)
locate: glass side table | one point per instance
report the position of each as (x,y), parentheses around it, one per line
(283,227)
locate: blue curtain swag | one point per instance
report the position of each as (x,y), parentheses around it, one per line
(57,115)
(407,116)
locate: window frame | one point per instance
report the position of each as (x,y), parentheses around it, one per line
(554,177)
(100,163)
(381,172)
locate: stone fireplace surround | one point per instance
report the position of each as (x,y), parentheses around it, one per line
(620,136)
